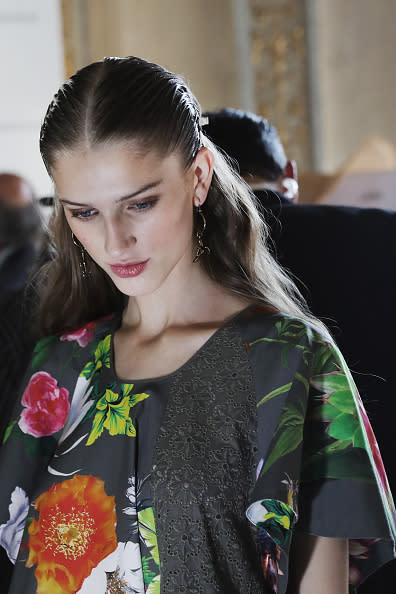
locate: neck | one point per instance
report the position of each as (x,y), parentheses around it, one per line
(186,297)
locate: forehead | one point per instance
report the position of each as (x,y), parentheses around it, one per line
(111,170)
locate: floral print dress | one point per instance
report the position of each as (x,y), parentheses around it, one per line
(191,482)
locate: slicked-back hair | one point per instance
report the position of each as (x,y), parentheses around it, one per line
(144,107)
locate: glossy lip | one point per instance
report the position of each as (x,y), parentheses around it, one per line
(129,269)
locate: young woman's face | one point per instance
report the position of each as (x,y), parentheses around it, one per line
(133,213)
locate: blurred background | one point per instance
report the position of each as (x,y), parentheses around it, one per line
(321,71)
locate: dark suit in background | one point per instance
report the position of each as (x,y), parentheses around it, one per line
(344,262)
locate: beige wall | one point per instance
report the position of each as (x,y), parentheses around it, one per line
(354,75)
(350,61)
(195,38)
(31,51)
(279,61)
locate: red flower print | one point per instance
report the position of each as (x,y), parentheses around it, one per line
(75,531)
(84,334)
(379,465)
(47,406)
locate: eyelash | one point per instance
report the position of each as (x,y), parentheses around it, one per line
(138,206)
(82,214)
(143,205)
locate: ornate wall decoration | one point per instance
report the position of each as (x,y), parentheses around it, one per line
(279,62)
(68,37)
(76,18)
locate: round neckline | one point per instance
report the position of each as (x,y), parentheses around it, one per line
(167,376)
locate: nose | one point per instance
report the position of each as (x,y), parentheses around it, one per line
(118,237)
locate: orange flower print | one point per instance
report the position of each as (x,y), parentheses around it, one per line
(74,532)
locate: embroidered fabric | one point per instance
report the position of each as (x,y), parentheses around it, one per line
(202,474)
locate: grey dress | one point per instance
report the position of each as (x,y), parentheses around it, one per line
(192,482)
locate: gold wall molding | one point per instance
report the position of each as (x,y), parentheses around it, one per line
(76,34)
(182,35)
(68,37)
(279,62)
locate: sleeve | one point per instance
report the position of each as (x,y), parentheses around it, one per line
(52,401)
(322,472)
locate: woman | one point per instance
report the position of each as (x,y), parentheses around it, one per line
(184,416)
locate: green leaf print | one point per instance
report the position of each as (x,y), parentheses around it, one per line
(44,446)
(9,429)
(147,530)
(330,382)
(42,351)
(102,353)
(88,370)
(135,398)
(289,440)
(358,439)
(284,389)
(101,358)
(292,328)
(290,333)
(148,574)
(338,408)
(155,586)
(277,521)
(126,389)
(325,413)
(343,401)
(97,428)
(343,427)
(303,380)
(290,416)
(327,464)
(113,414)
(279,511)
(342,457)
(276,392)
(323,360)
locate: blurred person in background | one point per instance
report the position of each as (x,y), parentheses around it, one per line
(342,259)
(178,428)
(257,152)
(20,240)
(20,225)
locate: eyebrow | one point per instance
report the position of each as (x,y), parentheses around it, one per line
(122,199)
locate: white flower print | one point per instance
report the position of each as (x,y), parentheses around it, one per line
(122,568)
(11,533)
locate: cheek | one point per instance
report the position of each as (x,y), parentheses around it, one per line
(172,225)
(173,231)
(90,241)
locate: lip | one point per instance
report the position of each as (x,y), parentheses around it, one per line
(128,269)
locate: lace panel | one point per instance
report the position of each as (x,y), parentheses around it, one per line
(203,473)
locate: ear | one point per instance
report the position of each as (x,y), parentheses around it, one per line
(291,170)
(203,173)
(288,182)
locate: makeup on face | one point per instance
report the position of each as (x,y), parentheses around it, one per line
(128,269)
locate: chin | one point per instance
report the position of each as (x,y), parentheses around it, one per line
(134,288)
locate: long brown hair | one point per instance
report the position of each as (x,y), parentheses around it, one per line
(132,101)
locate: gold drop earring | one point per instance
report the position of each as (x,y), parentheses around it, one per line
(83,263)
(201,249)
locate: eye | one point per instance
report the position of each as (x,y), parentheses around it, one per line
(143,204)
(83,214)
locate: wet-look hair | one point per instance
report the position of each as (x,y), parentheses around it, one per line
(132,102)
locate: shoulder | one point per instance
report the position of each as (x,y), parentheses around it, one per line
(74,345)
(264,321)
(276,338)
